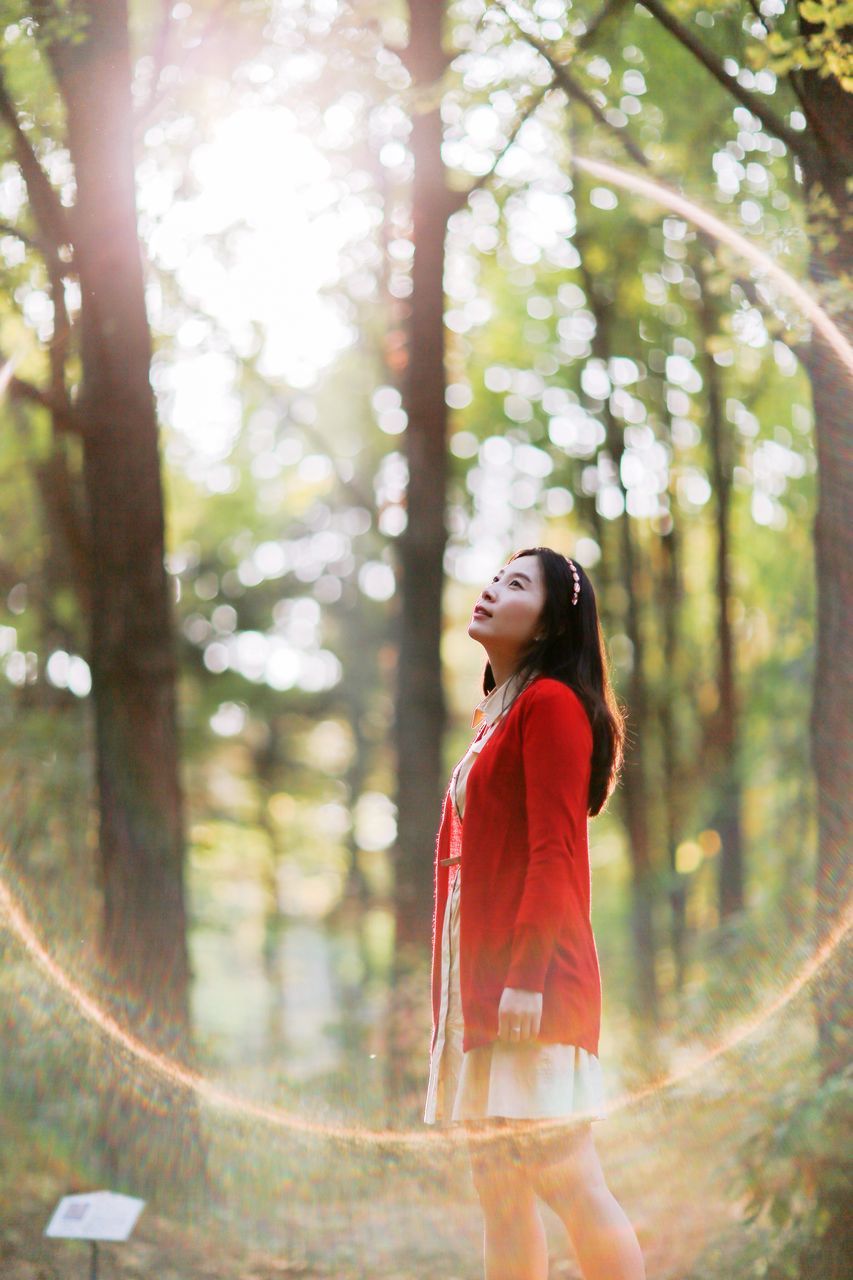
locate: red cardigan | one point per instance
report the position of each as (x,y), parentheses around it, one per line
(525,901)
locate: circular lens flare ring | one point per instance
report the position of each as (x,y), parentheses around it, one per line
(177,1074)
(719,230)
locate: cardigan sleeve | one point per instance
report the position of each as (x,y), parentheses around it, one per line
(556,745)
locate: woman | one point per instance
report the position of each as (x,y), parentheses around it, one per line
(516,991)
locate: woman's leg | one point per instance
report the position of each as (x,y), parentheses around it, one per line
(514,1244)
(604,1240)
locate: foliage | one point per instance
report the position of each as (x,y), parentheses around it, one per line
(281,544)
(273,543)
(797,1172)
(821,47)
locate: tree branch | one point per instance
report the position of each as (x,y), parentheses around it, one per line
(38,245)
(9,229)
(756,9)
(352,487)
(48,212)
(458,199)
(573,90)
(577,93)
(712,63)
(63,415)
(607,11)
(64,518)
(61,337)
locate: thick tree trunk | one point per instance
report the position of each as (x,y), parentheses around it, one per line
(420,719)
(830,112)
(829,109)
(832,706)
(726,737)
(132,654)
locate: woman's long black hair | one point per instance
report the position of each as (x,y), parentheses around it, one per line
(571,648)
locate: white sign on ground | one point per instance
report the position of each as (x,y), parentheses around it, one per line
(98,1215)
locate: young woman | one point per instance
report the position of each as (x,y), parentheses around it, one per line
(516,992)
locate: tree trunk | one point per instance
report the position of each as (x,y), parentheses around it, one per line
(132,654)
(830,109)
(726,737)
(832,705)
(420,706)
(634,790)
(670,601)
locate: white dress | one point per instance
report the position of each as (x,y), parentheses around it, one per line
(518,1081)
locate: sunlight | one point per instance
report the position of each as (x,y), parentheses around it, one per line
(253,248)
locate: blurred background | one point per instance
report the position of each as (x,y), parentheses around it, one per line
(311,313)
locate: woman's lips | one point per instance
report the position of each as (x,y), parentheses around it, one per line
(480,612)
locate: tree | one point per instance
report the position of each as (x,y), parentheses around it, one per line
(420,698)
(131,650)
(809,46)
(813,49)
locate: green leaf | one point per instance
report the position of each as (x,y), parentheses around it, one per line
(814,12)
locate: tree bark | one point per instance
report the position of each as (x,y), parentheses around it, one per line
(132,655)
(832,704)
(828,168)
(671,594)
(420,714)
(634,789)
(726,737)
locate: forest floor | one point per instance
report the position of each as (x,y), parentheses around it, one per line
(671,1159)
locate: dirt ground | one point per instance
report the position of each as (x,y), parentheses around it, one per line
(671,1161)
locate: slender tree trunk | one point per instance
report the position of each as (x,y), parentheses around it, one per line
(634,790)
(726,736)
(420,704)
(266,767)
(670,600)
(132,654)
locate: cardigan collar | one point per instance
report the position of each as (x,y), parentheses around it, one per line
(492,706)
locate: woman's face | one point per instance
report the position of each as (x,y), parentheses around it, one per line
(507,613)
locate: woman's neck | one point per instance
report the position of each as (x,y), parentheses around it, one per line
(501,671)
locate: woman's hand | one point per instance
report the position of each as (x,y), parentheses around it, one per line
(519,1015)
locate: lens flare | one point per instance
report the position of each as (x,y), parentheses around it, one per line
(177,1074)
(721,231)
(14,919)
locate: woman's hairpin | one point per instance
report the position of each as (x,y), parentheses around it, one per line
(577,587)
